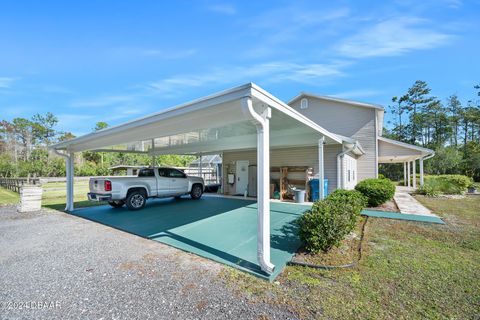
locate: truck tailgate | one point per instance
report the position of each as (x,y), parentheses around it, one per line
(97,185)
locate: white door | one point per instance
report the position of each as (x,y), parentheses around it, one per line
(241,179)
(350,172)
(163,182)
(148,175)
(178,182)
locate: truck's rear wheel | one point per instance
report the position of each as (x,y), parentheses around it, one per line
(116,203)
(136,200)
(196,192)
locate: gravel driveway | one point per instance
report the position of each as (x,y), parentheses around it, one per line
(58,266)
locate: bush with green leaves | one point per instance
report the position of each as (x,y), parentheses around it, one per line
(445,184)
(377,191)
(329,221)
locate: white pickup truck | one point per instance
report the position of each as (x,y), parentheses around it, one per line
(150,183)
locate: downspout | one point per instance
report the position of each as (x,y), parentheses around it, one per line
(340,165)
(262,123)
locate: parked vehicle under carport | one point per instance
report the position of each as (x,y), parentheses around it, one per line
(150,183)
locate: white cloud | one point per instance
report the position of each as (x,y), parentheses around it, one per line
(141,52)
(6,82)
(227,9)
(392,37)
(103,101)
(281,30)
(266,72)
(73,120)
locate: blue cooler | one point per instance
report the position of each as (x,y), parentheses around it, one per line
(314,193)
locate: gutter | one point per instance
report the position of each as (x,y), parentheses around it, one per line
(339,165)
(429,156)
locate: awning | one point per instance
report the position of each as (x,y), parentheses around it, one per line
(212,124)
(392,151)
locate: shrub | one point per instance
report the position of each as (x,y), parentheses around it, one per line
(377,191)
(330,220)
(381,176)
(445,184)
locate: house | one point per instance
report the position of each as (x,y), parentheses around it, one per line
(261,139)
(358,125)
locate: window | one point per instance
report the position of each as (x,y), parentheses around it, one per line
(174,173)
(162,172)
(146,173)
(304,103)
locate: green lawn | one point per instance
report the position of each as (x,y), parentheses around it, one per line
(8,197)
(409,270)
(54,195)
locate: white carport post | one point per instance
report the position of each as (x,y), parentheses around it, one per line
(408,173)
(262,123)
(321,170)
(200,166)
(70,179)
(405,174)
(421,172)
(414,173)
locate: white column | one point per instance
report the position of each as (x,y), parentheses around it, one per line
(414,173)
(200,165)
(421,172)
(408,174)
(153,156)
(321,170)
(70,180)
(404,173)
(262,123)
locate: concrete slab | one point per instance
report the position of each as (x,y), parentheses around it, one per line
(409,205)
(221,229)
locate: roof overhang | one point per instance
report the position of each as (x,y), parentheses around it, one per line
(211,124)
(392,151)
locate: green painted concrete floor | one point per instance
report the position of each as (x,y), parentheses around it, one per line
(221,229)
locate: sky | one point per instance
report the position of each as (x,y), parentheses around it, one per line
(114,61)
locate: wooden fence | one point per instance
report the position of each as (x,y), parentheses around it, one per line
(15,184)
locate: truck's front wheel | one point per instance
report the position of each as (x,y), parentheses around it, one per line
(196,192)
(136,200)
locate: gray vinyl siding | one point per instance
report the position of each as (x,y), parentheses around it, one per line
(347,120)
(302,156)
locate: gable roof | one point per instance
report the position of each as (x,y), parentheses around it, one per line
(334,99)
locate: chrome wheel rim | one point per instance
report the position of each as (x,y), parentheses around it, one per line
(197,191)
(137,201)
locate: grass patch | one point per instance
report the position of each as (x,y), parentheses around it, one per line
(8,197)
(54,195)
(408,270)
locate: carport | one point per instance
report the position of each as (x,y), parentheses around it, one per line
(392,151)
(243,118)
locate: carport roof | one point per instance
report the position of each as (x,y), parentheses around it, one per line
(207,125)
(392,151)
